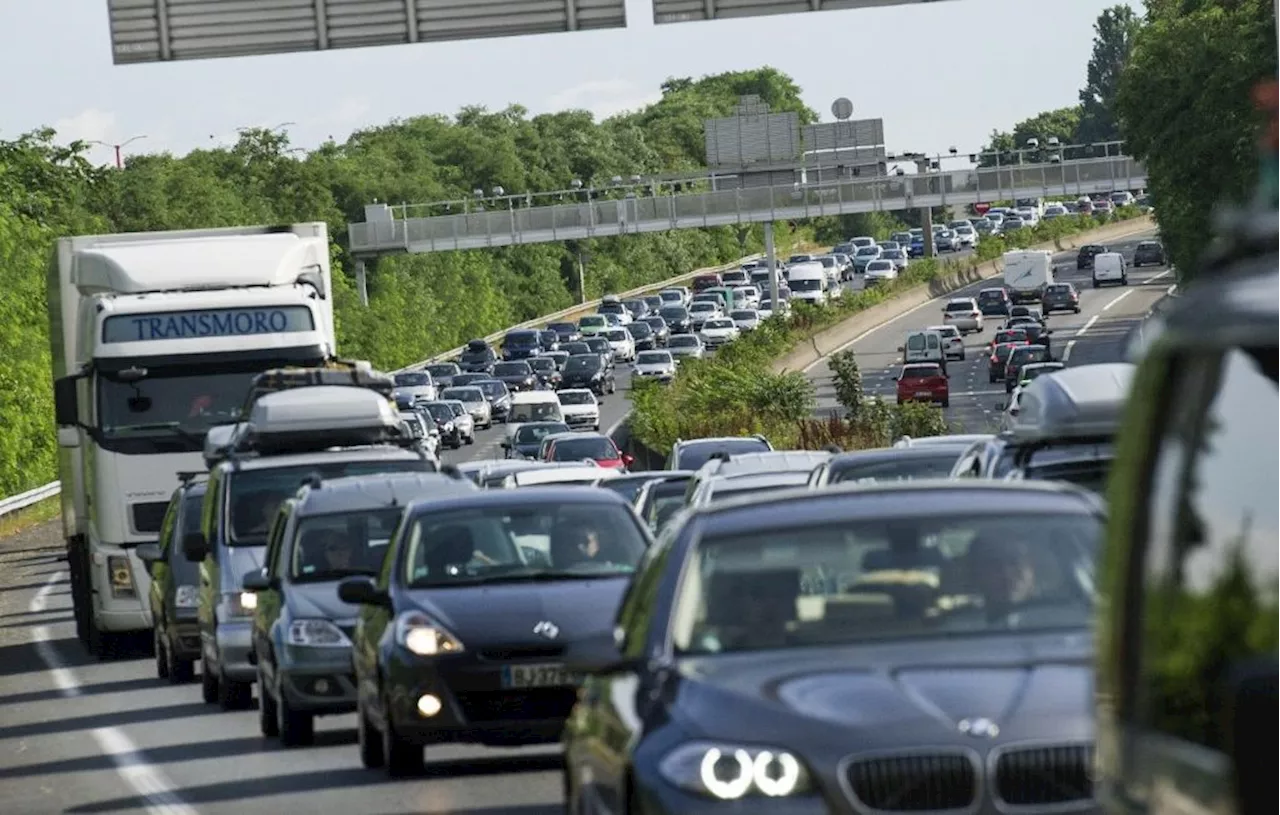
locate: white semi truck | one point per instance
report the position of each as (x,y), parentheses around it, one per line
(155,339)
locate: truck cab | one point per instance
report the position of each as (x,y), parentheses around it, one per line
(155,338)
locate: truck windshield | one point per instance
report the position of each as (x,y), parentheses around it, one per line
(173,400)
(253,496)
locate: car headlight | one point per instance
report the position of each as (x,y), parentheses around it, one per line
(728,772)
(186,597)
(424,636)
(317,634)
(239,604)
(448,427)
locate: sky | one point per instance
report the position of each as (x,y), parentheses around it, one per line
(939,74)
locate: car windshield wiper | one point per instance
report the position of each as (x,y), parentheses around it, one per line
(531,576)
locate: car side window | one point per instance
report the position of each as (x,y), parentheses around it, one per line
(635,614)
(1210,570)
(275,539)
(168,525)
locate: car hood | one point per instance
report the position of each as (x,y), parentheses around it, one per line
(1029,686)
(319,600)
(505,614)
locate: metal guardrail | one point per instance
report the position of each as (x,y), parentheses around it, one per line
(581,307)
(25,499)
(627,216)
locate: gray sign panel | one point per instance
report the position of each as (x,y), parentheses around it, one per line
(840,135)
(739,141)
(686,11)
(162,30)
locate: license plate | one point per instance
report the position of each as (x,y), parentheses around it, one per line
(924,394)
(538,676)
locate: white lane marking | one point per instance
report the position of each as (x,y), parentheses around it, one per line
(1066,352)
(1089,324)
(1116,300)
(147,781)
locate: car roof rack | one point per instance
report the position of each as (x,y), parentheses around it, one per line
(1078,405)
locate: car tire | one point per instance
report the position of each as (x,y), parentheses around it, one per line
(1077,309)
(297,728)
(595,428)
(181,671)
(369,741)
(268,723)
(233,695)
(402,758)
(946,403)
(991,379)
(1124,281)
(470,439)
(162,657)
(1095,283)
(208,683)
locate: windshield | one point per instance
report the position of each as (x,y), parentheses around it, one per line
(893,254)
(725,489)
(617,335)
(663,501)
(180,399)
(903,468)
(1010,336)
(437,411)
(868,251)
(684,341)
(879,266)
(718,323)
(511,369)
(415,379)
(535,433)
(654,358)
(331,547)
(674,313)
(576,398)
(671,296)
(522,542)
(542,364)
(703,306)
(492,390)
(1033,353)
(253,496)
(960,305)
(640,329)
(593,447)
(743,315)
(478,354)
(599,345)
(920,371)
(592,321)
(448,369)
(888,580)
(579,364)
(806,285)
(692,456)
(464,394)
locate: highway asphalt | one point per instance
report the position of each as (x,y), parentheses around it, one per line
(78,736)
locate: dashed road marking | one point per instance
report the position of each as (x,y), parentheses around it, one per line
(1108,306)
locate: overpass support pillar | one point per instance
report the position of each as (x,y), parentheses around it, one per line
(362,282)
(773,267)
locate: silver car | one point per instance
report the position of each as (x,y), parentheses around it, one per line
(417,385)
(658,365)
(462,418)
(476,403)
(686,346)
(746,319)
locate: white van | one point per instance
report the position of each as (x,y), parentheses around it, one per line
(535,406)
(808,282)
(924,346)
(1109,267)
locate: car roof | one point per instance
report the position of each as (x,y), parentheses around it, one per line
(354,493)
(369,453)
(1077,402)
(853,457)
(771,461)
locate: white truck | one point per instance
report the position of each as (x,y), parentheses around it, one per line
(1027,272)
(155,339)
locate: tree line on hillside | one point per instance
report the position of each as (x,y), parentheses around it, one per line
(1175,84)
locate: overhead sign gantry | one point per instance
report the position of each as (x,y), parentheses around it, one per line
(687,11)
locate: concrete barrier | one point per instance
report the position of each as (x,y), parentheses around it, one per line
(808,353)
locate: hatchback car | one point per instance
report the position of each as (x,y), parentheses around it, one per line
(952,340)
(175,583)
(588,371)
(923,382)
(1084,258)
(1019,357)
(964,314)
(1148,252)
(656,365)
(1060,297)
(994,302)
(999,358)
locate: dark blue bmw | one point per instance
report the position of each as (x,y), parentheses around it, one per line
(461,637)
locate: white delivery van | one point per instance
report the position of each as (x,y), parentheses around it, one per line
(1109,267)
(924,346)
(1027,272)
(808,282)
(535,406)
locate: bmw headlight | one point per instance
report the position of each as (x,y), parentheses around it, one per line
(317,634)
(727,772)
(423,636)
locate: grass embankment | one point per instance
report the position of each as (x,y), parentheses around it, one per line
(737,392)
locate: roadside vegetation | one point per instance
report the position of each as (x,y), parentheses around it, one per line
(738,391)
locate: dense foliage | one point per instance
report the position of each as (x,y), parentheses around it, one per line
(418,304)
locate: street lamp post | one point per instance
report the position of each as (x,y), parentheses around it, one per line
(118,148)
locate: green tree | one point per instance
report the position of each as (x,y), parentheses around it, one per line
(1114,32)
(1061,123)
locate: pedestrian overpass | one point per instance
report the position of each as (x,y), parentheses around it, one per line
(383,233)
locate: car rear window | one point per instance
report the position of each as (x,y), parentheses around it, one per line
(918,371)
(959,306)
(991,295)
(915,342)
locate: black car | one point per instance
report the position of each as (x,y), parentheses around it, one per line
(516,375)
(444,417)
(638,308)
(548,340)
(565,331)
(1084,259)
(462,636)
(1149,252)
(919,645)
(1019,313)
(526,441)
(1037,334)
(1060,297)
(601,346)
(1021,356)
(661,331)
(999,357)
(577,347)
(588,371)
(642,335)
(175,584)
(678,319)
(521,344)
(994,302)
(544,368)
(499,396)
(477,358)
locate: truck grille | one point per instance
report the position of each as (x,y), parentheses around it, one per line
(1039,776)
(922,782)
(149,517)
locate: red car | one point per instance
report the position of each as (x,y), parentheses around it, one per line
(924,382)
(707,281)
(1000,358)
(589,446)
(1005,335)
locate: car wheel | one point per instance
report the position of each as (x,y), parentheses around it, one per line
(162,660)
(596,428)
(946,403)
(267,722)
(962,356)
(208,683)
(370,741)
(234,695)
(1095,283)
(470,439)
(297,728)
(181,671)
(1124,281)
(1077,309)
(402,757)
(990,378)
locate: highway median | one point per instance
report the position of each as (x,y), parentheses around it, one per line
(758,384)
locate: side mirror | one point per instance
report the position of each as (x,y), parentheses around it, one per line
(256,580)
(66,411)
(360,591)
(628,459)
(195,547)
(149,554)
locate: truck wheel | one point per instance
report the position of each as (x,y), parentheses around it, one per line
(946,403)
(208,683)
